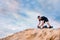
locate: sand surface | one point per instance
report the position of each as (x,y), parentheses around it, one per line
(35,34)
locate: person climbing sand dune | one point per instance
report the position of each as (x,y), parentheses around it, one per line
(44,20)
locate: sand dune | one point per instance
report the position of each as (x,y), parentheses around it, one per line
(35,34)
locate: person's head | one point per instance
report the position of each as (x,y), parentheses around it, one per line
(38,17)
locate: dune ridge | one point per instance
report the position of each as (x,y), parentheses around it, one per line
(35,34)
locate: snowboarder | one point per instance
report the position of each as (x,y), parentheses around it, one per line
(44,20)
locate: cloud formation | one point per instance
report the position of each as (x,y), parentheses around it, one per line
(17,15)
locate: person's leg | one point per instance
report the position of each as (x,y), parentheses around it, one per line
(48,24)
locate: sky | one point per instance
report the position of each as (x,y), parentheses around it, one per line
(18,15)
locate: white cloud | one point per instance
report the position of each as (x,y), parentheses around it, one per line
(12,27)
(1,31)
(13,6)
(17,16)
(9,5)
(53,3)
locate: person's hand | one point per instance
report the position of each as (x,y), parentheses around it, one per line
(38,26)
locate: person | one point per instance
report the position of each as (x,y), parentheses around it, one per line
(44,20)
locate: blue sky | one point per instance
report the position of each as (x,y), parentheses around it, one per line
(18,15)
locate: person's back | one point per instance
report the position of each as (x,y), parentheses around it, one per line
(45,19)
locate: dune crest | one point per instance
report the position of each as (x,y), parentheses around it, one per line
(35,34)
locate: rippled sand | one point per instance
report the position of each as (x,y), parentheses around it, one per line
(35,34)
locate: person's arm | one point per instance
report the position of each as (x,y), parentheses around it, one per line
(39,23)
(42,23)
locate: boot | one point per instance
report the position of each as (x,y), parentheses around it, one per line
(51,27)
